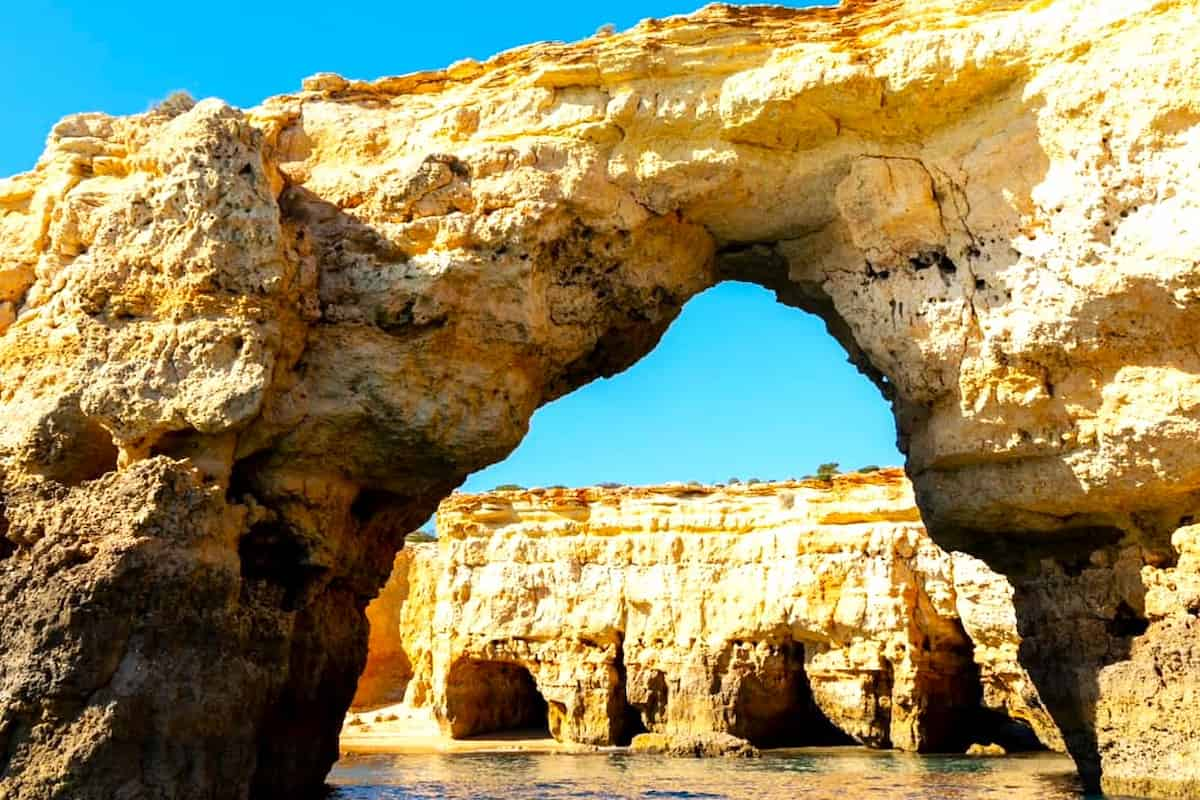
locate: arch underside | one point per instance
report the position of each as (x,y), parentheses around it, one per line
(241,353)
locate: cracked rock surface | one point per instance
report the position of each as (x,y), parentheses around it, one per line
(323,312)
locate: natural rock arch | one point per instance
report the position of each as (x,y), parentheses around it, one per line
(302,324)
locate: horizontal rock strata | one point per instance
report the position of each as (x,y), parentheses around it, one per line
(805,612)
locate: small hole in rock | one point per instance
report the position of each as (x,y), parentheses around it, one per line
(1127,622)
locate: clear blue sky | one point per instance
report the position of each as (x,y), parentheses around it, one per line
(739,385)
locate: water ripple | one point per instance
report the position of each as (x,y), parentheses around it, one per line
(843,774)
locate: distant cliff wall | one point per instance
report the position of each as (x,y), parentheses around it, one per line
(781,613)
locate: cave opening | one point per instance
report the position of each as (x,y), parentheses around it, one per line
(744,386)
(994,726)
(630,724)
(977,722)
(958,713)
(488,697)
(629,718)
(773,706)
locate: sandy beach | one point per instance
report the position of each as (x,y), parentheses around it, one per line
(399,729)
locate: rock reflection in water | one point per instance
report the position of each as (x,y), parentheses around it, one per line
(806,774)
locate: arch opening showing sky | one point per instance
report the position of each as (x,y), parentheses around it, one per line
(740,386)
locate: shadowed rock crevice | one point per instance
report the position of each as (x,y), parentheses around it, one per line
(994,727)
(70,447)
(275,562)
(975,722)
(949,693)
(7,546)
(628,717)
(12,731)
(652,698)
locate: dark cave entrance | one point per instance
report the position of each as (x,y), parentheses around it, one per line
(493,697)
(1014,735)
(953,690)
(773,706)
(983,725)
(628,718)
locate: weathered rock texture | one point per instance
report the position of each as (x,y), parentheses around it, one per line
(705,745)
(780,613)
(336,305)
(401,630)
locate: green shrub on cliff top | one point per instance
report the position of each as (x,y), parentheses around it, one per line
(826,471)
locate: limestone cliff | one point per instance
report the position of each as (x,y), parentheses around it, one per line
(267,342)
(780,612)
(401,633)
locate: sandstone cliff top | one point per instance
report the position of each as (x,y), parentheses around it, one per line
(718,38)
(884,495)
(729,29)
(840,482)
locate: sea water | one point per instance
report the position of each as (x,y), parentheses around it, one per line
(804,774)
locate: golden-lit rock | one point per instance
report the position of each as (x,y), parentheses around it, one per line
(706,745)
(802,612)
(986,750)
(401,631)
(1147,705)
(336,305)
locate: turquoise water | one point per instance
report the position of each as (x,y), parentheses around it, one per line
(841,774)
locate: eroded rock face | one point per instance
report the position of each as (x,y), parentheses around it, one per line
(1147,705)
(336,305)
(778,613)
(401,633)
